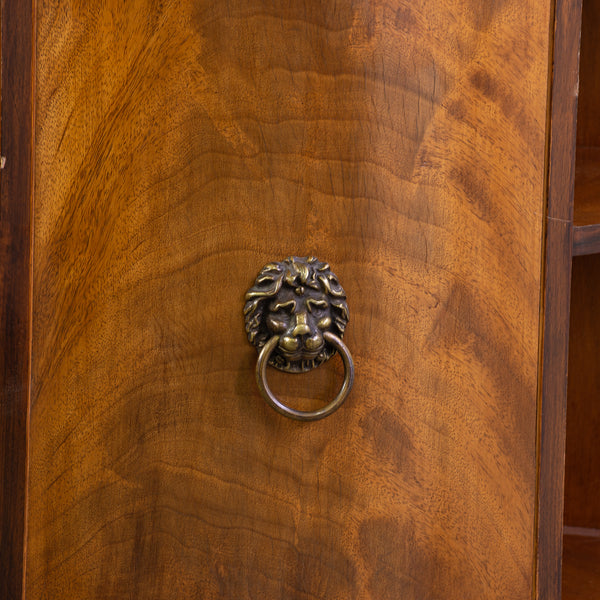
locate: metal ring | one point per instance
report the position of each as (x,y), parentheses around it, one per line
(302,415)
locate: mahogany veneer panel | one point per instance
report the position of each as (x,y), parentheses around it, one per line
(179,147)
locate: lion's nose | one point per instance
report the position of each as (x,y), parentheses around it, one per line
(301,327)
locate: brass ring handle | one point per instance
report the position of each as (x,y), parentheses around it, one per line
(295,315)
(301,415)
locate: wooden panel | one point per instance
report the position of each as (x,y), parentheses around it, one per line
(586,216)
(581,572)
(587,182)
(586,240)
(582,469)
(15,306)
(182,145)
(587,187)
(588,131)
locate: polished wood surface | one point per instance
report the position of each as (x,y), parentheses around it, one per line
(581,566)
(587,183)
(586,239)
(179,147)
(555,297)
(582,463)
(588,130)
(587,186)
(582,469)
(16,51)
(586,217)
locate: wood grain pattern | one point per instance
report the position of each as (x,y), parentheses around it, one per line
(16,52)
(582,469)
(586,240)
(180,146)
(555,297)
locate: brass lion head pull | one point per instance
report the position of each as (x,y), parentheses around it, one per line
(296,315)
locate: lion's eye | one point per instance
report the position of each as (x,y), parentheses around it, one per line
(317,307)
(276,324)
(284,308)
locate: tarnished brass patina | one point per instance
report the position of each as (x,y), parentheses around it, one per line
(298,300)
(305,415)
(296,314)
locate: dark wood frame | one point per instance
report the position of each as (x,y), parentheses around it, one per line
(556,297)
(16,187)
(586,239)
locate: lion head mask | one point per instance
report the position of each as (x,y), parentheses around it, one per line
(297,299)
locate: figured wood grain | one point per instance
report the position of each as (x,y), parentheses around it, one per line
(16,54)
(582,468)
(181,146)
